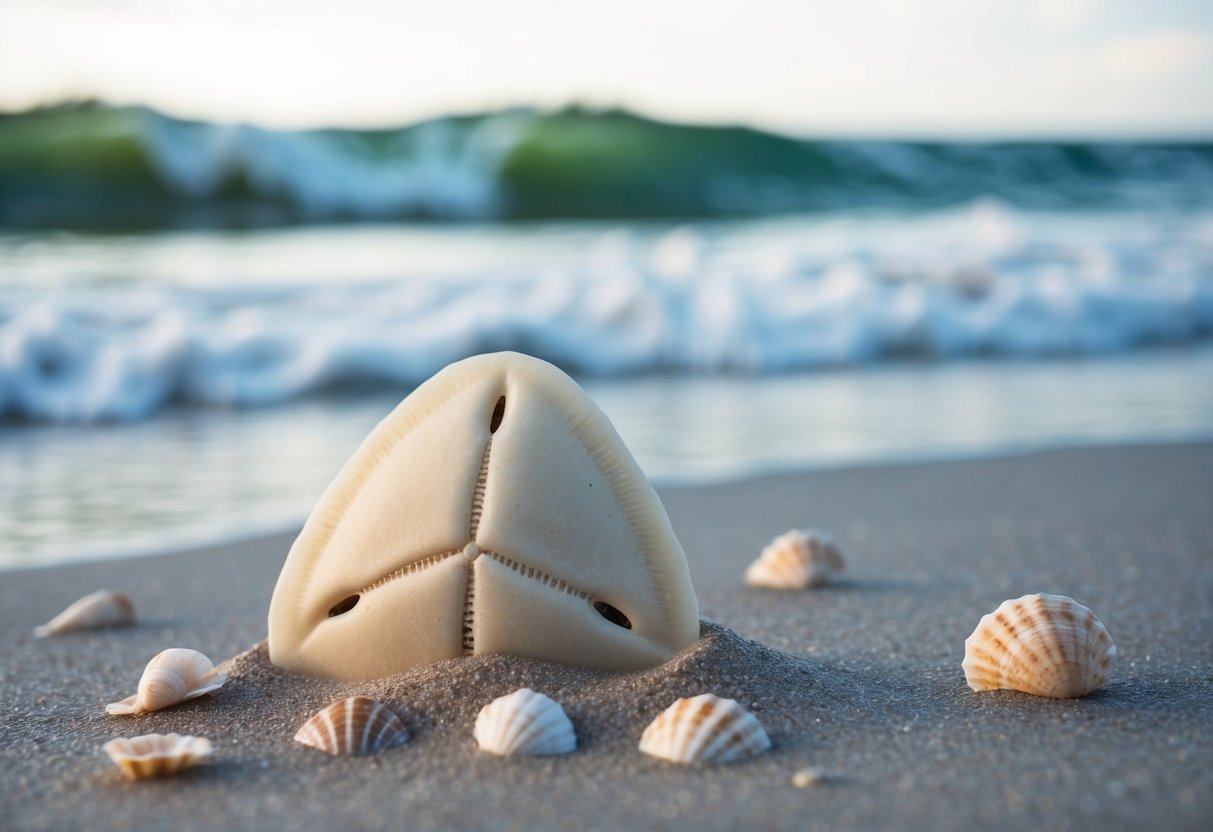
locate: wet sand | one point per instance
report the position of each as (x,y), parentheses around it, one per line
(861,680)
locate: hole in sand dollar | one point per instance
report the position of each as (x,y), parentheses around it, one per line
(344,605)
(613,615)
(498,415)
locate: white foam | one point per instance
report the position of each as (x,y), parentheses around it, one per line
(441,171)
(984,282)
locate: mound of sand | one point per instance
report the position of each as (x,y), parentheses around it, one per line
(607,709)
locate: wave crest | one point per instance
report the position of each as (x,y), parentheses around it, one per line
(92,166)
(680,304)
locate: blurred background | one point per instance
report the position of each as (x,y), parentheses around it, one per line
(762,233)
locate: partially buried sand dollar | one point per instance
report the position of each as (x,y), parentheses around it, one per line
(496,510)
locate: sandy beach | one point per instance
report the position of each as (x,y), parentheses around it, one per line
(861,680)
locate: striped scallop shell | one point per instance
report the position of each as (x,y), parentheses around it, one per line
(156,755)
(524,722)
(172,677)
(705,729)
(103,608)
(1047,645)
(798,559)
(353,727)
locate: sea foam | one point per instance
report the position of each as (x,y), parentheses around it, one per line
(680,302)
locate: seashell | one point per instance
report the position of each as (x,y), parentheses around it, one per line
(705,729)
(172,677)
(103,608)
(524,722)
(156,755)
(797,559)
(1047,645)
(353,727)
(807,778)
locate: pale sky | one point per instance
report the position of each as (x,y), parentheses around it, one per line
(828,67)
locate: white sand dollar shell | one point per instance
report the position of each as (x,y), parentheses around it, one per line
(495,511)
(797,559)
(103,608)
(156,755)
(524,722)
(172,677)
(1047,645)
(705,729)
(355,726)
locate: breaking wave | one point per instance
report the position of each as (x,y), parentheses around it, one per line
(682,301)
(100,166)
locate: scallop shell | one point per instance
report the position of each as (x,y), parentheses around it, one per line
(705,729)
(172,677)
(103,608)
(524,722)
(1047,645)
(353,727)
(797,559)
(156,755)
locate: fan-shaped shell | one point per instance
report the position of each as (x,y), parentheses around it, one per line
(156,755)
(172,677)
(103,608)
(353,727)
(705,729)
(524,722)
(797,559)
(1047,645)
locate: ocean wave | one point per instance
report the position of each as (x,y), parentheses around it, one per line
(679,303)
(95,166)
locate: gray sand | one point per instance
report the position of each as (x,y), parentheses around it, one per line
(861,680)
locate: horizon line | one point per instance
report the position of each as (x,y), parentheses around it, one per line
(1170,134)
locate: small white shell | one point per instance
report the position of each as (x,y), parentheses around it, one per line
(797,559)
(705,729)
(156,755)
(172,677)
(1047,645)
(354,726)
(807,778)
(104,608)
(524,722)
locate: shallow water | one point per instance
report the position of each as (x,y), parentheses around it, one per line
(76,492)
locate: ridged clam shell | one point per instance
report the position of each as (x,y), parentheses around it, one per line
(797,559)
(156,755)
(524,722)
(1047,645)
(353,727)
(172,677)
(705,729)
(103,608)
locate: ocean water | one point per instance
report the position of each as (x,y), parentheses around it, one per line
(199,322)
(125,167)
(171,387)
(98,328)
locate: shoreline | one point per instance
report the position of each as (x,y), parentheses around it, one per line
(256,533)
(881,704)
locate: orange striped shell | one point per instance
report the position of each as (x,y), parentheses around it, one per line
(798,559)
(1046,645)
(705,729)
(354,726)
